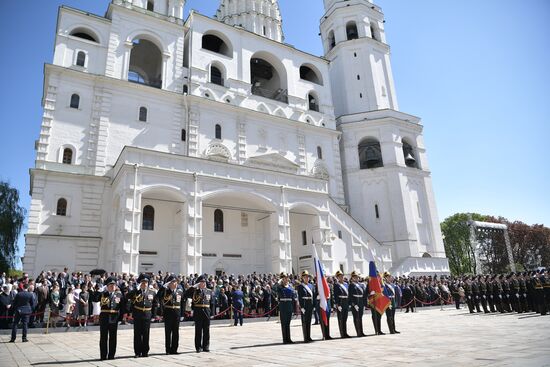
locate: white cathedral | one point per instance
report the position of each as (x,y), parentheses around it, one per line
(210,145)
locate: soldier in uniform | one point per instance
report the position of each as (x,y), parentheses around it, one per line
(342,304)
(389,291)
(506,291)
(469,294)
(546,286)
(539,283)
(515,293)
(491,293)
(202,299)
(476,293)
(110,302)
(287,299)
(523,293)
(142,304)
(306,295)
(483,293)
(357,303)
(171,302)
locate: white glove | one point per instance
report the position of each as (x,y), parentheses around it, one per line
(340,308)
(303,310)
(356,308)
(484,297)
(469,297)
(517,295)
(372,293)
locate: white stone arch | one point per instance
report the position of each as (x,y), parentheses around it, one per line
(224,38)
(275,62)
(149,35)
(316,72)
(170,190)
(87,28)
(262,199)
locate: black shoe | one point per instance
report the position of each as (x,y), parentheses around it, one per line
(207,350)
(381,333)
(111,357)
(25,340)
(310,340)
(199,350)
(145,355)
(397,332)
(137,356)
(12,340)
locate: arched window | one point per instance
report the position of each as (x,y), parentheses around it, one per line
(313,103)
(268,77)
(61,207)
(183,135)
(216,76)
(218,220)
(370,154)
(75,101)
(309,74)
(214,43)
(218,131)
(67,156)
(150,5)
(145,63)
(81,58)
(319,153)
(351,31)
(148,221)
(331,40)
(409,155)
(143,114)
(84,34)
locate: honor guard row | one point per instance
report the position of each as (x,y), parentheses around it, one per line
(143,303)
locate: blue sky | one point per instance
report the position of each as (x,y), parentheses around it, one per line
(476,72)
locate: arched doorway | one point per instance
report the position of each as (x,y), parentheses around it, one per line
(304,232)
(162,231)
(236,228)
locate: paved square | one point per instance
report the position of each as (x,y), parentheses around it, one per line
(430,337)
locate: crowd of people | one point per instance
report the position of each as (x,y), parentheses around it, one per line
(75,300)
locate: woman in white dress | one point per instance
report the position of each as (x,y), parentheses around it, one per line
(95,296)
(69,307)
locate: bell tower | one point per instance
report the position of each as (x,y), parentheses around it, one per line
(354,40)
(262,17)
(384,163)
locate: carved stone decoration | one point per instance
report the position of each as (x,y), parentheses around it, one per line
(273,161)
(218,152)
(320,170)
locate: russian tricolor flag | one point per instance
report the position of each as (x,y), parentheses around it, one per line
(322,288)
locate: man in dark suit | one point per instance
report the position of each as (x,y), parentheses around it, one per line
(23,304)
(5,305)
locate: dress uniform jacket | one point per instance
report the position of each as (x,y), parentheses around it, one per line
(357,303)
(306,297)
(110,304)
(142,304)
(341,301)
(171,303)
(201,302)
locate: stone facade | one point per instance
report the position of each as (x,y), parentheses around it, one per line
(153,126)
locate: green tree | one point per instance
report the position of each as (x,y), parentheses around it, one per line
(12,217)
(457,242)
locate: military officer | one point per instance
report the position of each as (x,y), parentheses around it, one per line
(476,293)
(515,293)
(483,293)
(546,286)
(389,291)
(142,304)
(171,302)
(469,294)
(539,283)
(287,299)
(491,293)
(306,295)
(110,302)
(202,300)
(341,301)
(356,301)
(523,292)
